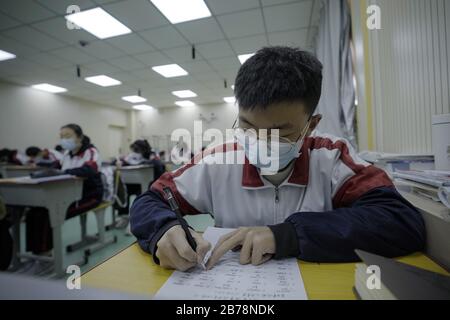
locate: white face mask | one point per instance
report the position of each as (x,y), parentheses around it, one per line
(134,158)
(270,157)
(68,144)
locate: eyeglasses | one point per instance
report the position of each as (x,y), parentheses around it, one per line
(251,136)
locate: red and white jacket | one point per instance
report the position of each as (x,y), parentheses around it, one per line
(328,177)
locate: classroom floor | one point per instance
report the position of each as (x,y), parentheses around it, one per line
(71,234)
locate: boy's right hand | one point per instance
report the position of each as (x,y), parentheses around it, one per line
(174,252)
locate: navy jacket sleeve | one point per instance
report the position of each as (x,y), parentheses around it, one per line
(85,171)
(150,218)
(381,222)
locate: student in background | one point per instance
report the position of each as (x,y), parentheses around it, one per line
(43,157)
(141,153)
(80,159)
(13,156)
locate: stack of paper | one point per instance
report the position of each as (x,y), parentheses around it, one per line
(273,280)
(428,183)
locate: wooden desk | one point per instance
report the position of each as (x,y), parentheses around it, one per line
(133,271)
(56,195)
(141,175)
(14,171)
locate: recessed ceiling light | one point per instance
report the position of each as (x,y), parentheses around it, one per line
(243,57)
(103,81)
(170,70)
(185,103)
(177,11)
(184,94)
(229,99)
(48,88)
(6,55)
(142,107)
(134,99)
(232,87)
(98,22)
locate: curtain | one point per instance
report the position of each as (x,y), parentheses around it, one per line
(337,103)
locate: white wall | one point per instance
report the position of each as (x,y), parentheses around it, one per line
(407,72)
(32,117)
(157,125)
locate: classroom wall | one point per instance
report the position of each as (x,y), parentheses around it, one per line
(406,73)
(32,117)
(157,125)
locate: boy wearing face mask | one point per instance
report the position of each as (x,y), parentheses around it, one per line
(313,199)
(81,159)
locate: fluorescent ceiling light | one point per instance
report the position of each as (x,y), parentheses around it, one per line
(243,57)
(170,70)
(229,99)
(48,88)
(6,55)
(177,11)
(134,99)
(103,80)
(98,22)
(232,87)
(185,103)
(142,107)
(184,94)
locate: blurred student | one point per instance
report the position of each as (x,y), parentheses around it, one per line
(80,159)
(43,157)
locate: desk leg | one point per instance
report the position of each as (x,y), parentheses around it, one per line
(16,216)
(58,250)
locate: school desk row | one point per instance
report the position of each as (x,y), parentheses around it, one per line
(55,194)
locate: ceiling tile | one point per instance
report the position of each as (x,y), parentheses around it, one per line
(32,37)
(102,50)
(220,6)
(295,38)
(275,2)
(136,14)
(225,63)
(60,6)
(15,47)
(181,54)
(164,37)
(131,44)
(241,24)
(57,28)
(249,44)
(126,63)
(49,60)
(197,66)
(153,58)
(74,55)
(7,22)
(216,49)
(202,30)
(288,16)
(25,10)
(100,67)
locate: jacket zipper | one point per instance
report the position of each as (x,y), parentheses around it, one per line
(277,199)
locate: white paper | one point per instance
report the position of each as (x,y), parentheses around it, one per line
(229,280)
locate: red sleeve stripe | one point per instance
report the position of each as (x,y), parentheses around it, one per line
(167,179)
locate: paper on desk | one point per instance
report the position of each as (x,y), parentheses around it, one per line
(274,280)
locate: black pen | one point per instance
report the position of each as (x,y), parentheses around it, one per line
(175,208)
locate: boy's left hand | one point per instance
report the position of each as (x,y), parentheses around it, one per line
(257,245)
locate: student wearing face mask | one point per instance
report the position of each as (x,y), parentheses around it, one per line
(141,153)
(81,159)
(313,198)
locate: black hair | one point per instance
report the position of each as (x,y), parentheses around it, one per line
(32,151)
(142,147)
(279,74)
(59,148)
(85,140)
